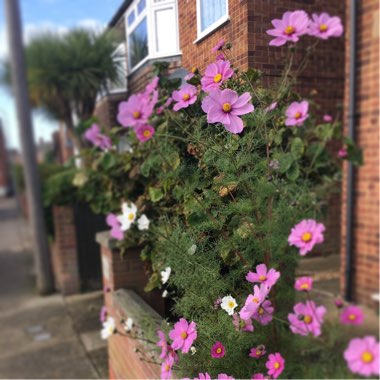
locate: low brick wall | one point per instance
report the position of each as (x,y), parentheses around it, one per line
(126,355)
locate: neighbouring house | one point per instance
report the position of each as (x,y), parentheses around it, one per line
(5,179)
(63,147)
(360,195)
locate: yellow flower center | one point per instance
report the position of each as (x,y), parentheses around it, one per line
(289,30)
(136,114)
(262,278)
(276,365)
(323,27)
(184,335)
(306,237)
(255,300)
(226,107)
(261,311)
(367,357)
(308,319)
(167,367)
(186,97)
(352,317)
(258,353)
(131,216)
(297,115)
(304,286)
(231,304)
(218,350)
(217,78)
(193,69)
(147,133)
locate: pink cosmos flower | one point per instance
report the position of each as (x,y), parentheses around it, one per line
(103,314)
(162,343)
(362,356)
(259,376)
(307,318)
(188,76)
(223,376)
(166,368)
(264,313)
(327,118)
(215,74)
(93,135)
(144,132)
(306,234)
(342,152)
(203,376)
(116,232)
(297,113)
(253,301)
(271,107)
(218,350)
(324,26)
(263,276)
(152,85)
(275,365)
(225,107)
(183,335)
(241,324)
(352,315)
(218,46)
(220,56)
(338,303)
(185,96)
(257,352)
(289,28)
(303,284)
(137,110)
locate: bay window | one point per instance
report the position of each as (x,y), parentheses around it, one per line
(210,15)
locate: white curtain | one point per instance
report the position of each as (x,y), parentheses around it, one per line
(211,11)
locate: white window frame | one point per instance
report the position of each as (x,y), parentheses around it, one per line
(222,20)
(152,6)
(119,55)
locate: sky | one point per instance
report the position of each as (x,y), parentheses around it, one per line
(56,15)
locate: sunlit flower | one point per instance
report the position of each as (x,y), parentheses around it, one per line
(184,97)
(183,335)
(275,365)
(113,221)
(93,135)
(264,313)
(165,274)
(289,28)
(218,46)
(307,318)
(193,350)
(303,284)
(263,276)
(128,215)
(109,328)
(257,352)
(362,356)
(306,234)
(166,368)
(241,324)
(218,350)
(327,118)
(297,113)
(225,107)
(352,315)
(215,74)
(143,222)
(254,301)
(228,304)
(324,26)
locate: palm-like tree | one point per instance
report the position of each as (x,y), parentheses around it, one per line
(66,72)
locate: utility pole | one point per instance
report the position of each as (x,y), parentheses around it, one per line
(33,187)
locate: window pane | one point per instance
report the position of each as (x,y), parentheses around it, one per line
(166,33)
(138,43)
(131,18)
(141,6)
(211,11)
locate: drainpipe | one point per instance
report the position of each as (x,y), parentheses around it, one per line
(351,135)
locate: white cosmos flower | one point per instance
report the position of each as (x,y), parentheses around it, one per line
(128,324)
(109,327)
(192,249)
(128,215)
(143,222)
(165,274)
(228,304)
(193,350)
(164,294)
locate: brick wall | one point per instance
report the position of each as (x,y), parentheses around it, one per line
(366,188)
(65,258)
(106,109)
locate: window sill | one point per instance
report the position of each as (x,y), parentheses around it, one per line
(213,28)
(151,57)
